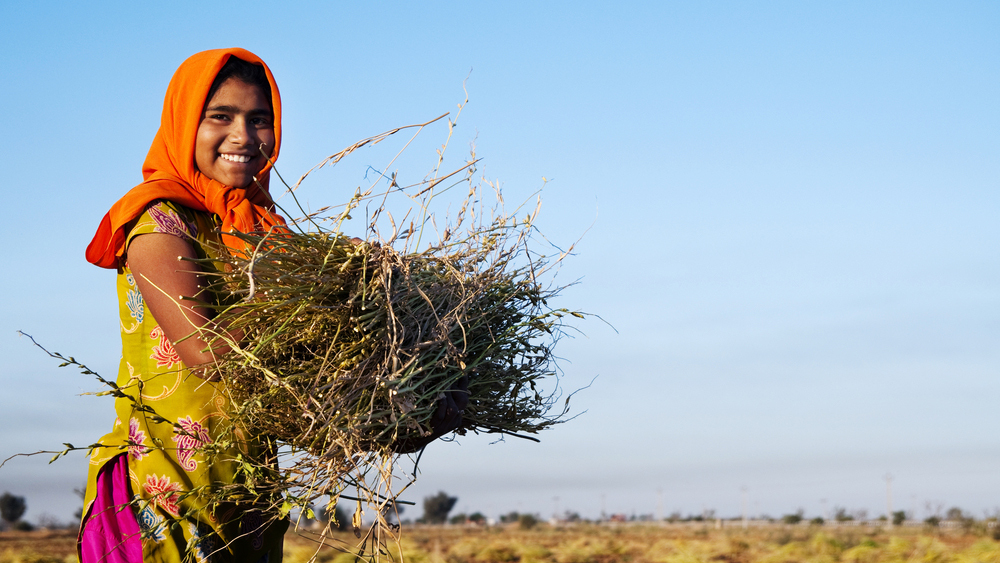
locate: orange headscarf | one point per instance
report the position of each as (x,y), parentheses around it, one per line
(169,171)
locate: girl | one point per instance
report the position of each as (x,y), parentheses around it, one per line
(206,173)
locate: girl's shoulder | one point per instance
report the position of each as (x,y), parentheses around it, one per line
(162,216)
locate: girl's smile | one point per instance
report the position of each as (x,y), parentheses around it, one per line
(236,126)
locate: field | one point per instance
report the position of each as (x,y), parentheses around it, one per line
(609,544)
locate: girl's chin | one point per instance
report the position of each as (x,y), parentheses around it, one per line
(235,180)
(238,175)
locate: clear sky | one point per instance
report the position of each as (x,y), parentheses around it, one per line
(792,211)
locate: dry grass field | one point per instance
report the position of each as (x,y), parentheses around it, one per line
(609,544)
(42,546)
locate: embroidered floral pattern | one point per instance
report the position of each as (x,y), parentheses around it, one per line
(136,437)
(150,524)
(204,546)
(169,222)
(164,352)
(163,493)
(163,384)
(191,436)
(135,305)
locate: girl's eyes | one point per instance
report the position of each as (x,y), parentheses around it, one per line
(255,121)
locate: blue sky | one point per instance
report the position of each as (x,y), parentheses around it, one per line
(790,216)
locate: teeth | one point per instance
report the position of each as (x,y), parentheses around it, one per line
(235,157)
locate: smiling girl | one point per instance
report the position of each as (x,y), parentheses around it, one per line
(205,174)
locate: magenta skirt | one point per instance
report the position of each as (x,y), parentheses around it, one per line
(110,531)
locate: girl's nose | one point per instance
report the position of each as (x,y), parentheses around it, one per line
(240,132)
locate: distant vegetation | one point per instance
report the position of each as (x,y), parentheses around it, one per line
(437,507)
(12,508)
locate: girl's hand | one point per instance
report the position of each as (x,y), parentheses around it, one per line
(446,418)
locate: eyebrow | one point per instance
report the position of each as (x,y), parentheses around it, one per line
(234,109)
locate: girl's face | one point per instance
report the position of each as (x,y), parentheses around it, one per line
(237,124)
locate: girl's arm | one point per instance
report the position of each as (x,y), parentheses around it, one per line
(163,278)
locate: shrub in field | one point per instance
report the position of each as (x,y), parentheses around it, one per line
(437,507)
(527,521)
(792,518)
(840,514)
(12,507)
(509,517)
(459,519)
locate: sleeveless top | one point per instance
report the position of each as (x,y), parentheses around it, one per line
(174,428)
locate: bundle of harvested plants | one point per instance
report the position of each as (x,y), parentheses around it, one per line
(349,346)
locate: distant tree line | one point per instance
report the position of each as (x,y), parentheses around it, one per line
(436,510)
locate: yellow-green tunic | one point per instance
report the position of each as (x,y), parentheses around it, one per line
(171,475)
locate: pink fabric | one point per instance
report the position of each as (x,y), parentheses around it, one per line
(111,532)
